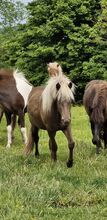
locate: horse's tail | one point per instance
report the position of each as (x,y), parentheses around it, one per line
(30,145)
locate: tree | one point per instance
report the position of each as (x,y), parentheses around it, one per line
(59,30)
(11,13)
(97,65)
(56,30)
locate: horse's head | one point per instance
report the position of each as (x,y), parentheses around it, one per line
(59,91)
(64,99)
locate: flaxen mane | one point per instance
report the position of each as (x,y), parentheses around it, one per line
(50,92)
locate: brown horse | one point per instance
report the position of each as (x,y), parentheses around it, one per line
(49,109)
(95,102)
(14,92)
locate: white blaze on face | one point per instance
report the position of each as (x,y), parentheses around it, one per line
(23,86)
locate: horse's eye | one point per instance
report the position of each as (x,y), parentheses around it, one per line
(70,85)
(90,109)
(58,86)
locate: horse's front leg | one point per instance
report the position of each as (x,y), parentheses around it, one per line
(21,122)
(9,129)
(52,145)
(71,144)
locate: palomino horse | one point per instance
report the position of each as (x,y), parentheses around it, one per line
(14,92)
(49,109)
(95,102)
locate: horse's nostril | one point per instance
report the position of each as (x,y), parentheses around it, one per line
(65,121)
(94,141)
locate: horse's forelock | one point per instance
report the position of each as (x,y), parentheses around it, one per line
(50,92)
(65,93)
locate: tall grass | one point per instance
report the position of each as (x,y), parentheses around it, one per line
(38,189)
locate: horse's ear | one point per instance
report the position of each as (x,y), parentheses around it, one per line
(70,85)
(57,64)
(58,86)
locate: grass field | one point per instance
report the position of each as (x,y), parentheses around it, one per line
(37,189)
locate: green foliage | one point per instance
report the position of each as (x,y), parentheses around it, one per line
(37,189)
(58,30)
(72,32)
(11,13)
(97,65)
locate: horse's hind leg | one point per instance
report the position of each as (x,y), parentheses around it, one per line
(36,139)
(33,138)
(9,129)
(13,123)
(13,119)
(52,145)
(71,144)
(30,144)
(21,122)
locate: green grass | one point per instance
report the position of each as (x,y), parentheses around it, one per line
(38,189)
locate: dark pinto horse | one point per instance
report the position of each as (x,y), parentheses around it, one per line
(14,92)
(49,109)
(95,102)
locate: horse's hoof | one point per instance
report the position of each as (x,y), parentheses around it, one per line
(37,155)
(97,152)
(8,146)
(69,163)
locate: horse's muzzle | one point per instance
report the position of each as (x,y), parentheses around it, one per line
(65,122)
(95,140)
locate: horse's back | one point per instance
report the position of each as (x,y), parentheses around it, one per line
(6,73)
(91,90)
(34,107)
(95,82)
